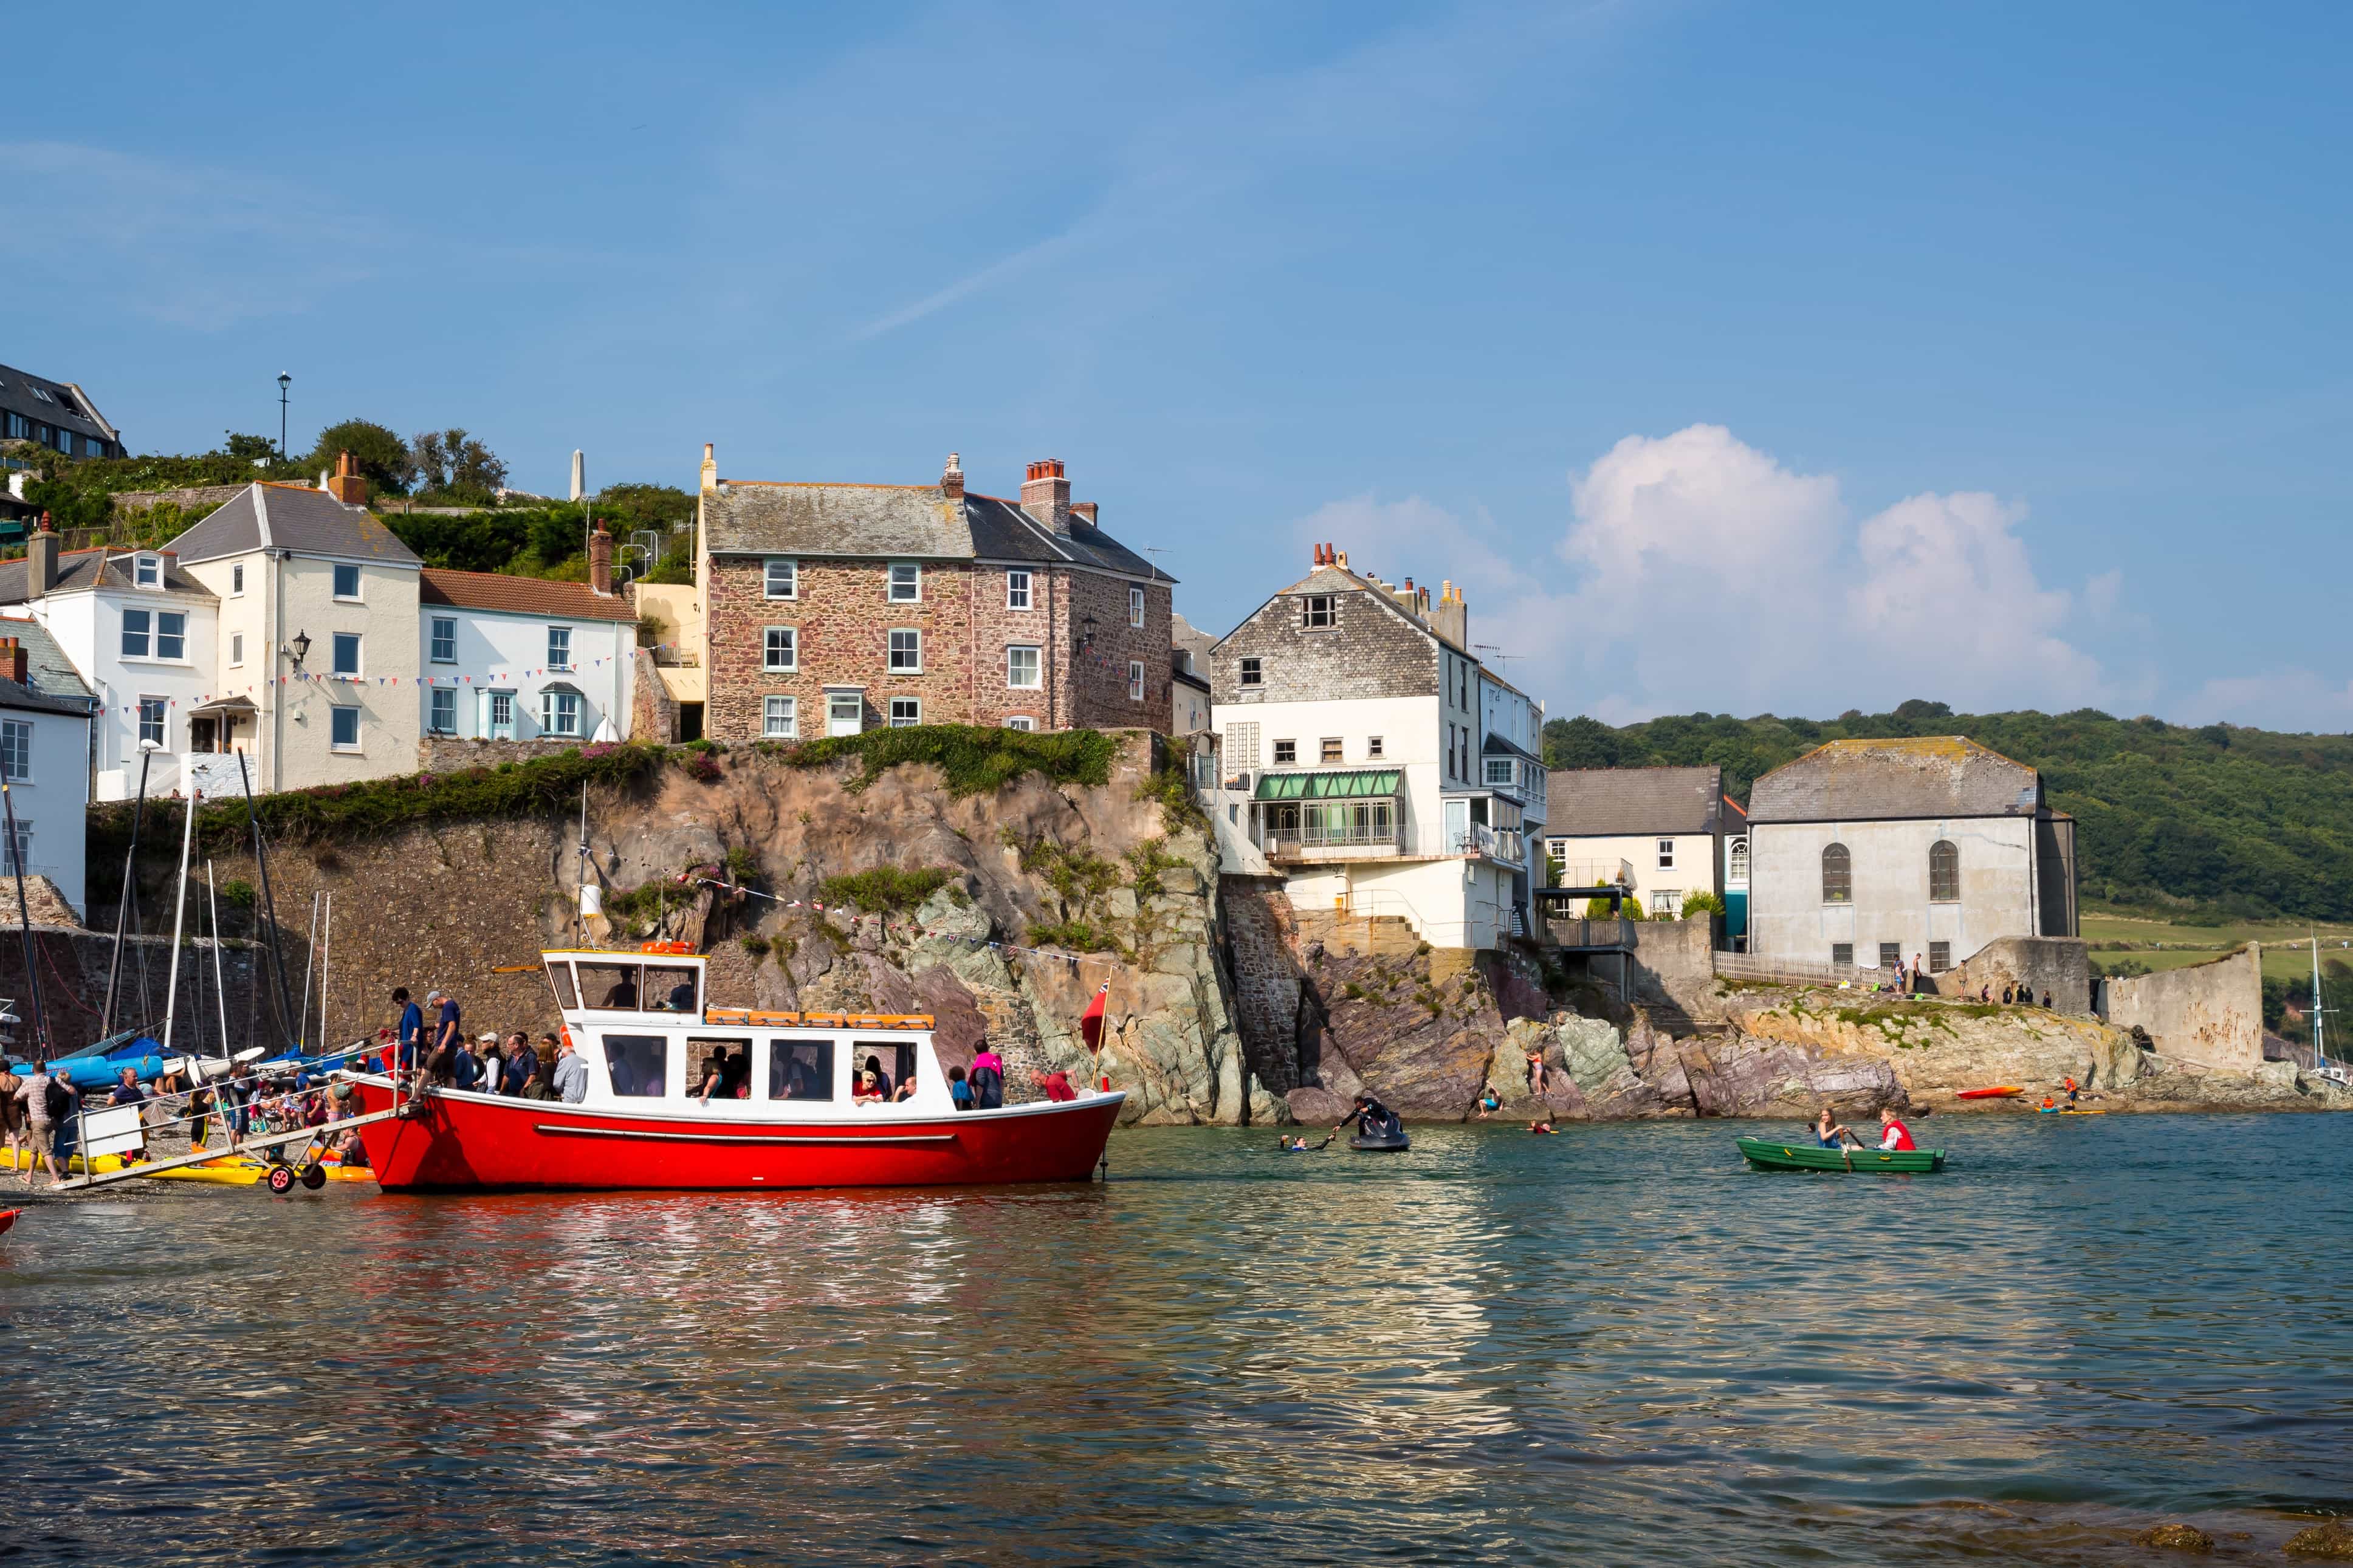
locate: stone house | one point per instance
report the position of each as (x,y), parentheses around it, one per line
(517,658)
(1356,734)
(1877,852)
(45,712)
(832,608)
(1663,833)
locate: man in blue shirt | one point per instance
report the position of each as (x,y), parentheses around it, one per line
(411,1030)
(449,1037)
(127,1091)
(522,1064)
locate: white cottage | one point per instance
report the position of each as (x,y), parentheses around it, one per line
(1876,853)
(44,718)
(519,658)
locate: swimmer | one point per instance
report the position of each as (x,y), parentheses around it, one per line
(1541,1125)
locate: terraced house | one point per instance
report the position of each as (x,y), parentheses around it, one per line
(833,608)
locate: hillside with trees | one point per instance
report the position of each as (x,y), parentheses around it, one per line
(2214,822)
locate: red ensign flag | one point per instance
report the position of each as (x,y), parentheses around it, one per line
(1091,1023)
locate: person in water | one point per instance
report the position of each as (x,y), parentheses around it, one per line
(1301,1145)
(1893,1133)
(1541,1125)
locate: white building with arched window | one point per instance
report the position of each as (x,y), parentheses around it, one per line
(1877,853)
(519,658)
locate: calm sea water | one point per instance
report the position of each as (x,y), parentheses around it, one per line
(1614,1344)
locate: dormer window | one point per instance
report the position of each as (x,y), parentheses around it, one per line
(147,571)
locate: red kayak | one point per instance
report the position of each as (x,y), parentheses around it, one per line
(7,1219)
(2000,1091)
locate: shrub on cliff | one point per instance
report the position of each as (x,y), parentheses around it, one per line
(884,890)
(977,759)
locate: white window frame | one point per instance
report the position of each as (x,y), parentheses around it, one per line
(1374,748)
(1136,606)
(335,716)
(1036,667)
(162,720)
(145,622)
(1666,853)
(1135,681)
(1492,764)
(780,718)
(434,641)
(856,717)
(16,751)
(335,657)
(559,649)
(1280,760)
(1310,606)
(436,699)
(913,571)
(792,664)
(164,619)
(491,727)
(17,854)
(552,708)
(890,650)
(780,577)
(1016,591)
(909,719)
(359,581)
(237,580)
(147,571)
(1021,721)
(1251,671)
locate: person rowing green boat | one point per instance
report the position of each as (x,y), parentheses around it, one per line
(1832,1135)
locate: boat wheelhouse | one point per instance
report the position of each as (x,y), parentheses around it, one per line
(683,1094)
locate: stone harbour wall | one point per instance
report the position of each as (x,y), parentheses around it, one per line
(2210,1014)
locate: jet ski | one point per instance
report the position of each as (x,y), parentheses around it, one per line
(1383,1136)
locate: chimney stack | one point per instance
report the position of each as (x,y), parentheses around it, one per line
(42,559)
(12,659)
(1083,511)
(951,480)
(600,562)
(1451,617)
(1046,495)
(579,473)
(710,468)
(346,485)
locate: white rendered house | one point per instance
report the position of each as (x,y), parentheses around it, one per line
(45,720)
(517,658)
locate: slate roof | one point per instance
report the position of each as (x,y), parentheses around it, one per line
(269,515)
(80,570)
(52,684)
(65,406)
(1609,802)
(905,522)
(1340,580)
(1926,777)
(519,595)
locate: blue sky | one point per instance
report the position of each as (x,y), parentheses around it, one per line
(1735,357)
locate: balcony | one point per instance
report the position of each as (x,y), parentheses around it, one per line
(1508,845)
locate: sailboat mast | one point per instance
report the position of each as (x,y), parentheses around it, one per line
(122,905)
(220,987)
(24,914)
(179,906)
(2319,1019)
(326,952)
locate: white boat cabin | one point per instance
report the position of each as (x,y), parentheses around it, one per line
(643,1025)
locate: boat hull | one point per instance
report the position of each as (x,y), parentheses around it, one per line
(1764,1155)
(469,1143)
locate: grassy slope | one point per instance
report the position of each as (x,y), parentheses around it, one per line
(2207,825)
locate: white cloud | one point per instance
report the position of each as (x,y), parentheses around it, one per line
(1704,575)
(2291,698)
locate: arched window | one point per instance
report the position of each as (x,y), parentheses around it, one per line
(1943,872)
(1736,870)
(1838,875)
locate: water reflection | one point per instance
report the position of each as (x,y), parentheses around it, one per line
(1614,1342)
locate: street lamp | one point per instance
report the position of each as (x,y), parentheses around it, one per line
(284,380)
(300,647)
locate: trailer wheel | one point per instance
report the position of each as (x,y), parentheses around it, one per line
(314,1175)
(281,1180)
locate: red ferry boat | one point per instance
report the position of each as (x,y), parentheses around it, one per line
(786,1120)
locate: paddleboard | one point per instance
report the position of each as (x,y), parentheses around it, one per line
(2000,1091)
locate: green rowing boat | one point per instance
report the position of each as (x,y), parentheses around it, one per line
(1766,1156)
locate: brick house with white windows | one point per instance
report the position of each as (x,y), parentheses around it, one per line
(833,608)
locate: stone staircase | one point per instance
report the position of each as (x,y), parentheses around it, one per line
(1372,936)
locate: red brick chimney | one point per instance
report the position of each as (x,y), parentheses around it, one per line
(42,559)
(600,562)
(1046,494)
(346,485)
(12,659)
(951,480)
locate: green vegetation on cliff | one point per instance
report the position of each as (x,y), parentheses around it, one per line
(2203,824)
(977,759)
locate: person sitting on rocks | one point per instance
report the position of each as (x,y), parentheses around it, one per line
(1489,1103)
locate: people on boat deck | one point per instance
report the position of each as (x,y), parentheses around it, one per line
(449,1037)
(987,1080)
(1893,1133)
(543,1078)
(906,1090)
(682,997)
(959,1091)
(1831,1135)
(410,1033)
(869,1089)
(874,1066)
(466,1068)
(494,1064)
(522,1065)
(571,1077)
(1056,1084)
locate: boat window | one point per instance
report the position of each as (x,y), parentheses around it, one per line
(640,1065)
(673,989)
(611,985)
(800,1070)
(732,1057)
(895,1058)
(560,976)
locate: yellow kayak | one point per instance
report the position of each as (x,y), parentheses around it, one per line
(228,1171)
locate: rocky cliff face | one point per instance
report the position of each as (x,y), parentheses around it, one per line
(1098,866)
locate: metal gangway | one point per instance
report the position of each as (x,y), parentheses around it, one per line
(119,1129)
